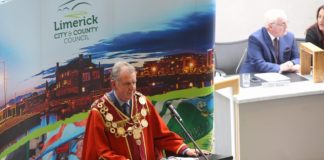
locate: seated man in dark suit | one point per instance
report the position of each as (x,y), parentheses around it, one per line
(272,48)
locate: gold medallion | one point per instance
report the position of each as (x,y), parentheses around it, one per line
(144,123)
(129,128)
(109,117)
(99,105)
(136,118)
(138,142)
(143,112)
(120,130)
(129,133)
(102,111)
(112,130)
(137,133)
(142,100)
(108,124)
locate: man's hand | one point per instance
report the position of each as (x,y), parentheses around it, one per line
(286,67)
(296,68)
(289,67)
(191,153)
(195,152)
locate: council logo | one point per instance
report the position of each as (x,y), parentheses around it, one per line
(74,8)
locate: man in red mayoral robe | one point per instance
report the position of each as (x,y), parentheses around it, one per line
(123,124)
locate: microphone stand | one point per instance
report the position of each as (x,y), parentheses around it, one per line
(188,134)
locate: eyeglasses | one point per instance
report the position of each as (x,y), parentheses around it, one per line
(284,24)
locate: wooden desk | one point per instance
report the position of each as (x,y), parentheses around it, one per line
(278,123)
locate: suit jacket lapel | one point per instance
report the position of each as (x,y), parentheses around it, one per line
(113,98)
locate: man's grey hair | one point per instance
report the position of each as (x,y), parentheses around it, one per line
(273,15)
(116,69)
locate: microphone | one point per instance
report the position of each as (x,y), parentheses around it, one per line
(177,117)
(173,111)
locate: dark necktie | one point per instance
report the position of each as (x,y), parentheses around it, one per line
(276,48)
(126,109)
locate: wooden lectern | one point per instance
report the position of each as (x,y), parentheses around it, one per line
(308,49)
(233,82)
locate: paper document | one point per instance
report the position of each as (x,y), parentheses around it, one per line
(269,77)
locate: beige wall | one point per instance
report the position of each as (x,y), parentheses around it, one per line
(236,19)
